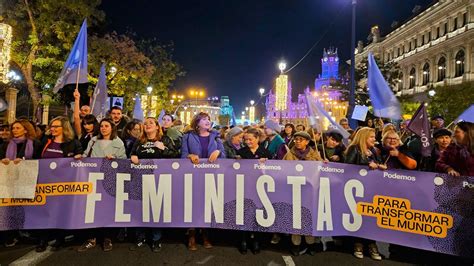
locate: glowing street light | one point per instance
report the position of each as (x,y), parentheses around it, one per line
(282,66)
(262,91)
(432,93)
(113,70)
(149,89)
(252,102)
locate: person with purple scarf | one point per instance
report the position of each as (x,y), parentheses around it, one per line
(21,146)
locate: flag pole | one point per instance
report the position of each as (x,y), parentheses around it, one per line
(78,73)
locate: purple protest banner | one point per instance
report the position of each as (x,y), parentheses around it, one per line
(417,209)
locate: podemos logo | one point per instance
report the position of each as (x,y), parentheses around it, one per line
(328,169)
(399,177)
(81,164)
(466,184)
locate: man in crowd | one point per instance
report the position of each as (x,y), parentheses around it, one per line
(119,120)
(437,122)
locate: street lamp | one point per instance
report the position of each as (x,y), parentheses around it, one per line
(149,89)
(12,75)
(262,91)
(431,93)
(282,66)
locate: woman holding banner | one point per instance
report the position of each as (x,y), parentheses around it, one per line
(22,145)
(62,144)
(252,150)
(301,151)
(394,154)
(362,151)
(151,145)
(201,142)
(105,145)
(458,158)
(132,131)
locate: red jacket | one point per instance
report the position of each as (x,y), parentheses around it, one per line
(457,157)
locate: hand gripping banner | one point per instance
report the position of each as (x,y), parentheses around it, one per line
(416,209)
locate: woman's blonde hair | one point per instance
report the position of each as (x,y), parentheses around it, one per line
(360,139)
(390,132)
(68,132)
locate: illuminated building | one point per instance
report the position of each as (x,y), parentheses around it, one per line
(5,47)
(330,98)
(433,48)
(283,94)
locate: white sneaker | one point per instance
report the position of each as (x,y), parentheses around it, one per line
(358,250)
(374,252)
(275,239)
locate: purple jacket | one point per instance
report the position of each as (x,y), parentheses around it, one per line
(192,145)
(458,158)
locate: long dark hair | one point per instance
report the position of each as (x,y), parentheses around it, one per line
(293,130)
(113,135)
(129,127)
(468,129)
(90,119)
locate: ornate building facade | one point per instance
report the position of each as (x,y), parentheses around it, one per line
(434,48)
(296,112)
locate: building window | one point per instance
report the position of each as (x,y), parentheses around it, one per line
(455,24)
(400,81)
(426,74)
(464,19)
(437,32)
(441,69)
(445,28)
(403,49)
(422,39)
(412,78)
(459,63)
(398,51)
(416,42)
(429,36)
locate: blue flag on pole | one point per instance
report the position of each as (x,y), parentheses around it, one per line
(137,109)
(100,99)
(75,68)
(385,103)
(317,116)
(467,115)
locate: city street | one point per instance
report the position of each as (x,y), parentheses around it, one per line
(174,252)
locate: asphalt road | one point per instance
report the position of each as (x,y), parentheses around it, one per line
(174,252)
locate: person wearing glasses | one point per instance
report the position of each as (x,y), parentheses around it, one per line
(301,151)
(394,154)
(62,144)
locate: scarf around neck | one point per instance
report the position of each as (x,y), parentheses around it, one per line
(12,148)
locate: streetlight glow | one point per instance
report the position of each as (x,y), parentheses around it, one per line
(262,91)
(282,66)
(252,102)
(149,89)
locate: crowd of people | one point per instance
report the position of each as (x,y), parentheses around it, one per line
(376,144)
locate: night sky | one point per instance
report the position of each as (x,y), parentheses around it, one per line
(233,47)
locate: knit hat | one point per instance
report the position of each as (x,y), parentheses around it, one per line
(273,126)
(233,132)
(442,132)
(302,134)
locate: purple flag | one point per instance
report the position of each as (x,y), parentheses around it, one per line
(100,100)
(420,125)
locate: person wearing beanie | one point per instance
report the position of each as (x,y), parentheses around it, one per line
(442,138)
(301,151)
(233,142)
(275,141)
(437,122)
